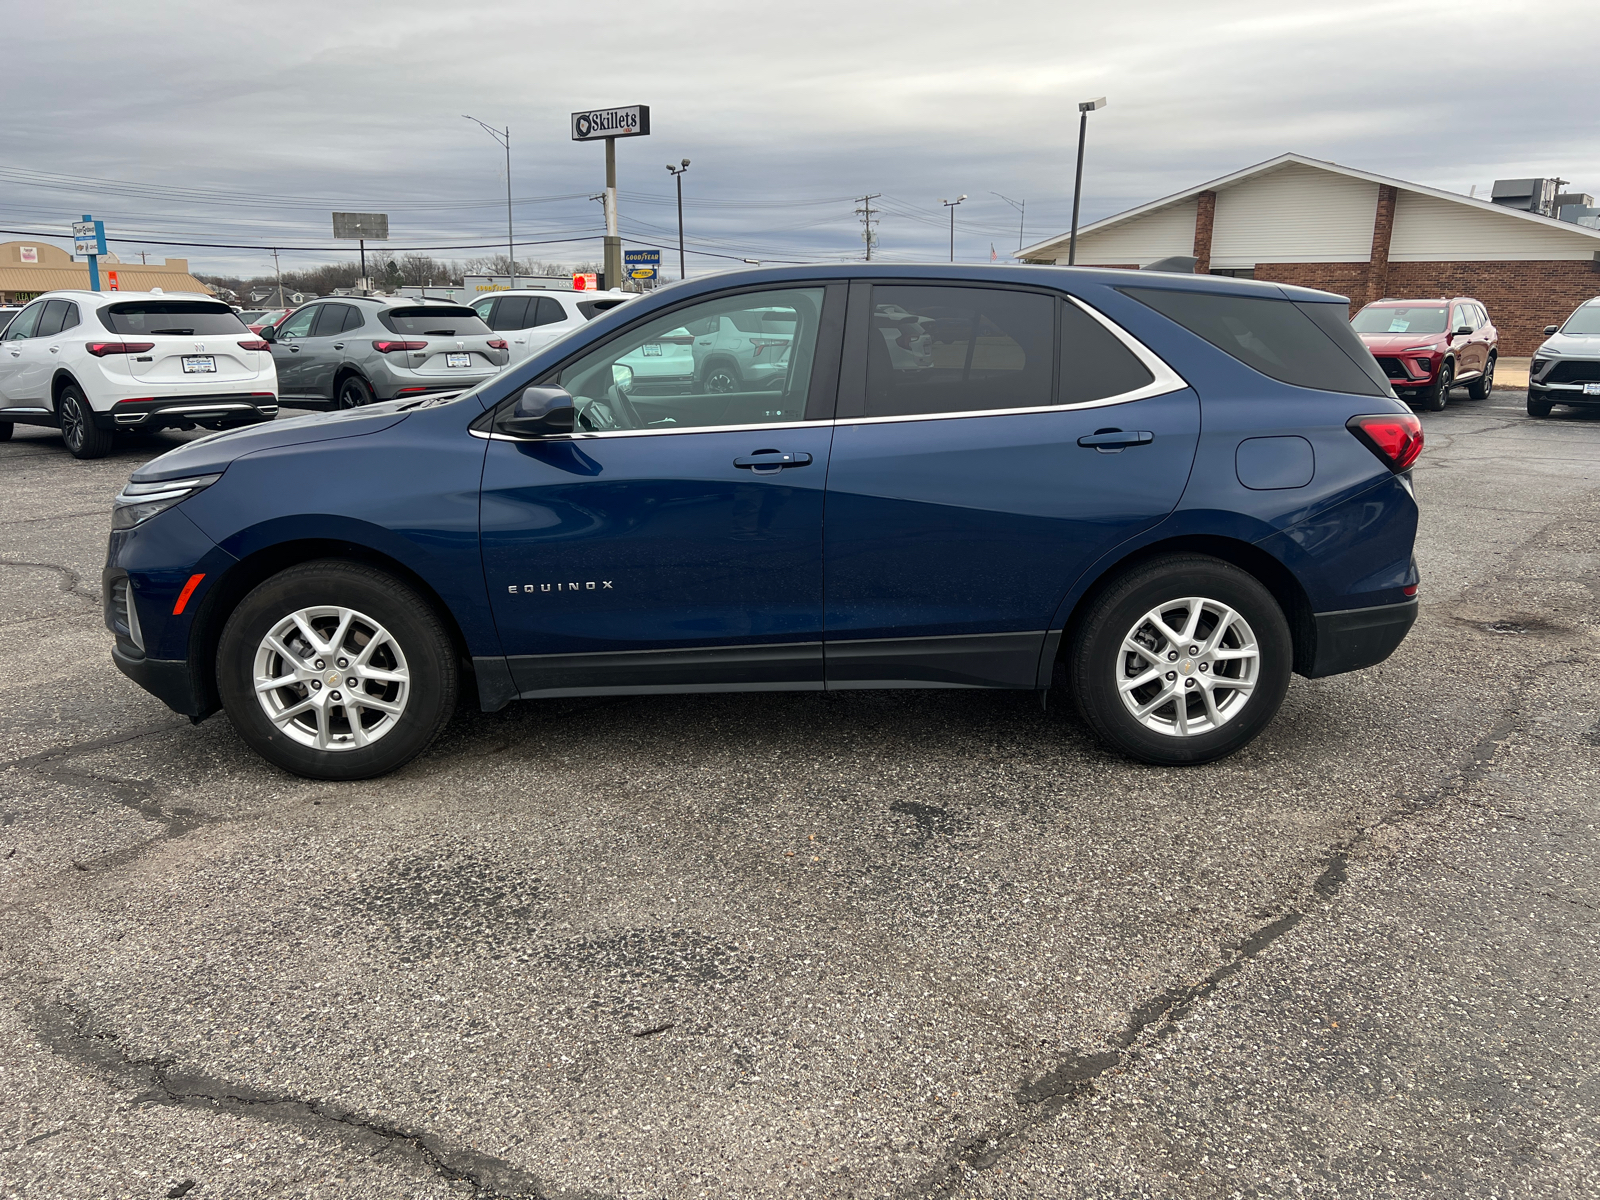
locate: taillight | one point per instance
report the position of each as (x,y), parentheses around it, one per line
(498,344)
(1395,438)
(101,349)
(392,347)
(256,345)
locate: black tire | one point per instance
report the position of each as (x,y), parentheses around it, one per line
(1480,387)
(412,623)
(354,392)
(1096,660)
(83,437)
(5,430)
(1538,406)
(721,377)
(1436,397)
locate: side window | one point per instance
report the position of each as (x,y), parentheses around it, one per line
(548,312)
(958,349)
(23,325)
(1299,344)
(484,308)
(70,321)
(1094,363)
(299,325)
(511,314)
(331,321)
(1460,317)
(55,312)
(655,376)
(354,318)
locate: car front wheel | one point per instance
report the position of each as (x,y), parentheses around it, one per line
(1538,406)
(1183,660)
(1436,397)
(336,670)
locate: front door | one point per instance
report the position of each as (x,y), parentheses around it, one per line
(13,349)
(982,461)
(288,350)
(675,541)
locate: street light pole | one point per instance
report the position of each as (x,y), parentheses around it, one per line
(677,174)
(1084,109)
(1022,214)
(951,205)
(504,138)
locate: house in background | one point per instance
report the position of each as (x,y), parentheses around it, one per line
(1300,220)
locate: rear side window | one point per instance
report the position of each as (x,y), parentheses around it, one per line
(593,308)
(182,318)
(1284,341)
(434,320)
(549,312)
(958,349)
(55,312)
(1094,364)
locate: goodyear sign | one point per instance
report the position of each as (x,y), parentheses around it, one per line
(598,123)
(641,264)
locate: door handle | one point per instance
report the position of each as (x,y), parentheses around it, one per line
(770,462)
(55,349)
(338,345)
(1113,441)
(294,349)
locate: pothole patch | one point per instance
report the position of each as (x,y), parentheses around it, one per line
(450,901)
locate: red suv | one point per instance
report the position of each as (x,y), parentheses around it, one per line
(1427,347)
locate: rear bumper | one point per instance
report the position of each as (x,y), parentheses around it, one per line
(218,410)
(1359,637)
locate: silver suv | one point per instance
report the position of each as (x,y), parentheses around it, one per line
(352,350)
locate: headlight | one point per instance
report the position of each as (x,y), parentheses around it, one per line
(138,502)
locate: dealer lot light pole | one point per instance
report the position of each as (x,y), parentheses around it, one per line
(951,205)
(504,138)
(1084,109)
(677,174)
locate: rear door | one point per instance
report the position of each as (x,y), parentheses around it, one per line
(192,342)
(324,349)
(991,444)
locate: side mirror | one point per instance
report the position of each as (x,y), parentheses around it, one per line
(1464,331)
(1549,329)
(538,412)
(622,377)
(269,333)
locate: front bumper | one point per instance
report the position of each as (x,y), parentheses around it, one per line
(1359,637)
(1567,391)
(171,681)
(219,410)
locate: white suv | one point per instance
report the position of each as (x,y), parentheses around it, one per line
(90,363)
(532,318)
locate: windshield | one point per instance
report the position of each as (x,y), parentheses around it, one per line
(1394,319)
(434,320)
(181,318)
(1584,322)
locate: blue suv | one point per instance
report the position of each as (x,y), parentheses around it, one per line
(1165,492)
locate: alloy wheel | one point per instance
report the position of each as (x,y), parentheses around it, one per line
(331,678)
(1187,667)
(720,380)
(71,423)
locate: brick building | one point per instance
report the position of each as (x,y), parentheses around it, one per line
(1299,220)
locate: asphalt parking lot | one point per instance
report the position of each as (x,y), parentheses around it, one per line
(870,944)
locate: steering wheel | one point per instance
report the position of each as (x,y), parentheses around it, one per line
(612,413)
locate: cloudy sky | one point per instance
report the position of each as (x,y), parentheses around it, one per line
(247,125)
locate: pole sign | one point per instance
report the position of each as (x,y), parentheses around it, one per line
(89,240)
(598,123)
(641,264)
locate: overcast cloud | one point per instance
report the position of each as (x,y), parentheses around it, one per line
(274,114)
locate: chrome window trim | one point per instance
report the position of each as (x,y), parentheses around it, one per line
(1164,380)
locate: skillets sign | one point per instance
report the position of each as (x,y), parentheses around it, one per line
(599,123)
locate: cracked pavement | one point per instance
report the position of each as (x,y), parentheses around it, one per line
(871,944)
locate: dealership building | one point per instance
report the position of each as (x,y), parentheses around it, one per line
(1300,220)
(28,269)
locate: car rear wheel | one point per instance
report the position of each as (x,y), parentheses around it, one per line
(5,431)
(1538,406)
(354,393)
(1182,660)
(1436,397)
(1480,387)
(83,437)
(723,377)
(334,670)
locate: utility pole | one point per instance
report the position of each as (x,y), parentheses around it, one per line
(279,275)
(677,174)
(951,205)
(865,213)
(1022,210)
(504,138)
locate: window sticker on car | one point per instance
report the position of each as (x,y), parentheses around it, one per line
(1399,325)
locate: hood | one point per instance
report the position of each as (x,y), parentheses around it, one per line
(1392,343)
(1568,345)
(210,454)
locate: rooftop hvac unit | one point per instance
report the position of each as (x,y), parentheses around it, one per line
(1530,195)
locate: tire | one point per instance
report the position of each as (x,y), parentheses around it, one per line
(408,646)
(1480,387)
(5,430)
(722,377)
(1180,587)
(83,437)
(353,392)
(1538,406)
(1436,397)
